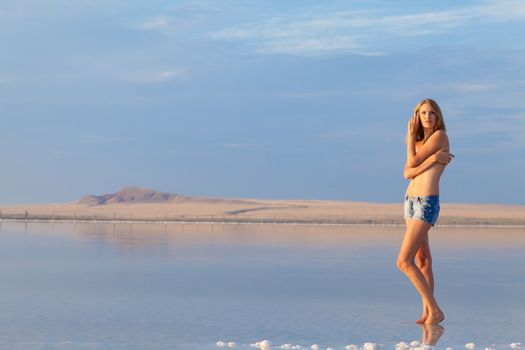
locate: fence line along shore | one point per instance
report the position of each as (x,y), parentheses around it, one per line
(244,220)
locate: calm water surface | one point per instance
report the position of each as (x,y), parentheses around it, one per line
(87,286)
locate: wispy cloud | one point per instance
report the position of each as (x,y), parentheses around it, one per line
(309,94)
(154,77)
(160,22)
(500,10)
(475,124)
(187,17)
(359,31)
(475,87)
(98,139)
(488,134)
(360,134)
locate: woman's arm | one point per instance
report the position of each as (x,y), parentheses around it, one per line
(412,172)
(435,142)
(441,156)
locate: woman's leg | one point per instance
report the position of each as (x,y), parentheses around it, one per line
(424,263)
(417,232)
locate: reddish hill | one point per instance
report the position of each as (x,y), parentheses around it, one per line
(129,195)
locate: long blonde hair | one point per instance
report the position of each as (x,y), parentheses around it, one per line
(440,123)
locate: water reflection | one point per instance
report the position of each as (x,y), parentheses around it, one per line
(196,284)
(431,333)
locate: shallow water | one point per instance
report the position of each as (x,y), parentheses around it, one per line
(104,286)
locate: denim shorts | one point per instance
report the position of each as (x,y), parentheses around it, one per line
(424,208)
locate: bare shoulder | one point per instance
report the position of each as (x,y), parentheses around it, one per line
(439,134)
(440,137)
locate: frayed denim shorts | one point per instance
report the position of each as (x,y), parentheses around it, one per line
(424,208)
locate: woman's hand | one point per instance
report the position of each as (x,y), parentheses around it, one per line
(443,156)
(413,126)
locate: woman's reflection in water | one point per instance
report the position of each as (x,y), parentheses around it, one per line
(430,333)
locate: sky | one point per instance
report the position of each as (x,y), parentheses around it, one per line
(257,99)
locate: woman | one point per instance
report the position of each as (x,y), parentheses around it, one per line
(427,156)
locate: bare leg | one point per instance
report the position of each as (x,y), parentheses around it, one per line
(424,263)
(415,236)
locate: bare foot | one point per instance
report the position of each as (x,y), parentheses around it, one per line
(423,317)
(435,317)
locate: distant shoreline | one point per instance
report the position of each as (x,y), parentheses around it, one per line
(248,221)
(136,205)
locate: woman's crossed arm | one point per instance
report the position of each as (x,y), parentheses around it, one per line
(441,156)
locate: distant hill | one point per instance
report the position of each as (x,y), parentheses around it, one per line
(145,195)
(129,195)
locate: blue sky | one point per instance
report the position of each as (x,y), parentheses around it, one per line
(268,99)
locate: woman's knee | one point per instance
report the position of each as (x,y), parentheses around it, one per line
(404,264)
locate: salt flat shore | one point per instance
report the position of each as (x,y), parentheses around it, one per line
(233,210)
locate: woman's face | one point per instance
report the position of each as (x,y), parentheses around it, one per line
(427,116)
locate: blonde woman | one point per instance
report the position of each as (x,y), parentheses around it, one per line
(427,156)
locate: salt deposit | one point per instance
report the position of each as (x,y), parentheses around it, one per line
(413,345)
(369,346)
(265,345)
(402,346)
(291,347)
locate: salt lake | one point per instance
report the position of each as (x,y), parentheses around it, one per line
(176,286)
